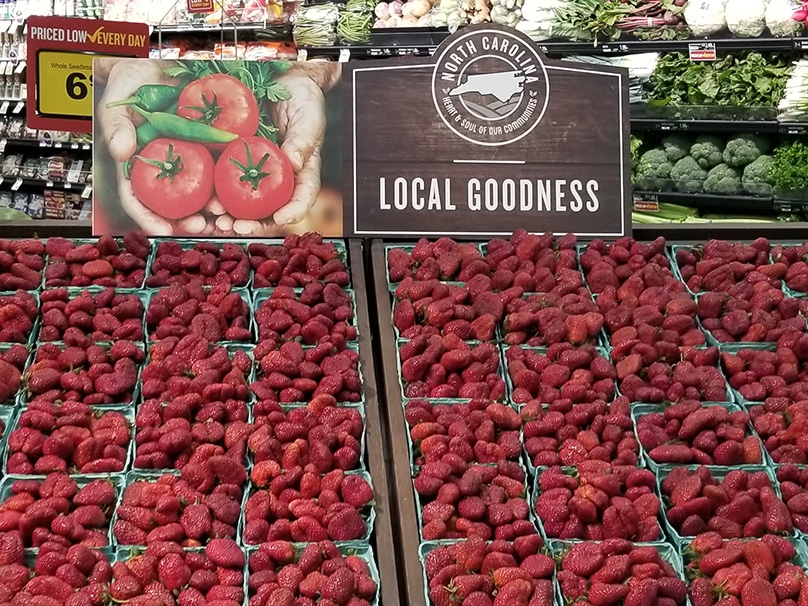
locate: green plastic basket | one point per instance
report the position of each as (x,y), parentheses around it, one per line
(187,244)
(26,398)
(369,514)
(243,292)
(641,409)
(339,244)
(409,247)
(717,472)
(117,481)
(128,410)
(259,295)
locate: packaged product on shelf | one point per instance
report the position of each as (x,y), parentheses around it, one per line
(54,204)
(30,168)
(19,201)
(11,165)
(316,24)
(746,18)
(355,22)
(782,18)
(36,206)
(6,199)
(706,17)
(76,171)
(270,51)
(56,169)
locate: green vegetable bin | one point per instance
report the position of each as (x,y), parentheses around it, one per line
(368,513)
(718,473)
(639,410)
(117,481)
(128,411)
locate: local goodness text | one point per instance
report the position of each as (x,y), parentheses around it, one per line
(510,195)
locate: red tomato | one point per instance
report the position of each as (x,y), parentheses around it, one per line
(173,178)
(254,178)
(221,101)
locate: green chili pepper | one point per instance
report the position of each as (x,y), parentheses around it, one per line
(151,97)
(146,133)
(170,125)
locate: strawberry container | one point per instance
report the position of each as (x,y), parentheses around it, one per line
(500,372)
(94,241)
(667,552)
(259,295)
(414,448)
(188,244)
(497,337)
(425,547)
(257,376)
(26,397)
(573,471)
(361,550)
(24,337)
(16,398)
(639,410)
(127,410)
(118,482)
(287,407)
(601,352)
(73,292)
(368,513)
(734,346)
(789,292)
(420,504)
(152,476)
(339,245)
(244,293)
(718,473)
(408,248)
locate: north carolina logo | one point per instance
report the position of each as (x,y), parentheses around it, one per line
(490,86)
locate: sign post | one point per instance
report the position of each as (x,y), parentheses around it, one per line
(60,66)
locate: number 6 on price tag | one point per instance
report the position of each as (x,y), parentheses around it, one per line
(65,84)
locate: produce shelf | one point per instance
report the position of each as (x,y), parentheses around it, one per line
(756,204)
(424,40)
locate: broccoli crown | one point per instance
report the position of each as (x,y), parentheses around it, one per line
(757,176)
(676,147)
(688,177)
(653,172)
(707,151)
(744,149)
(723,180)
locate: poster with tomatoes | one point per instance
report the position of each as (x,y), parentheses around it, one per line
(216,148)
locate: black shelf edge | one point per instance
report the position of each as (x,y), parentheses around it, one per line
(37,185)
(46,228)
(755,204)
(423,41)
(45,145)
(197,28)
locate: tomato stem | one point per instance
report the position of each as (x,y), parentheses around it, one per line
(252,172)
(209,112)
(170,167)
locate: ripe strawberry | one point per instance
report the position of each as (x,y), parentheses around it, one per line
(173,571)
(601,594)
(758,592)
(225,553)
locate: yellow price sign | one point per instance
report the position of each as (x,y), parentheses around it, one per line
(65,84)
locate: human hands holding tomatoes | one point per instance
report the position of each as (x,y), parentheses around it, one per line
(118,125)
(255,189)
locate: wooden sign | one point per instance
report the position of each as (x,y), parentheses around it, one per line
(484,137)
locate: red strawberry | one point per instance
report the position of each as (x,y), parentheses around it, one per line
(758,592)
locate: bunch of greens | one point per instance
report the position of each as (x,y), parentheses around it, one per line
(741,79)
(261,77)
(609,19)
(790,169)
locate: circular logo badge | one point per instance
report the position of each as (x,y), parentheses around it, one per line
(490,86)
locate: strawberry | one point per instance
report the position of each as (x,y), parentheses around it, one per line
(601,594)
(759,592)
(173,571)
(225,553)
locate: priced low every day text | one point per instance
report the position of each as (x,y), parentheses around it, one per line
(522,195)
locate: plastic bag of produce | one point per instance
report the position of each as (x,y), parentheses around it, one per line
(780,18)
(746,18)
(706,17)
